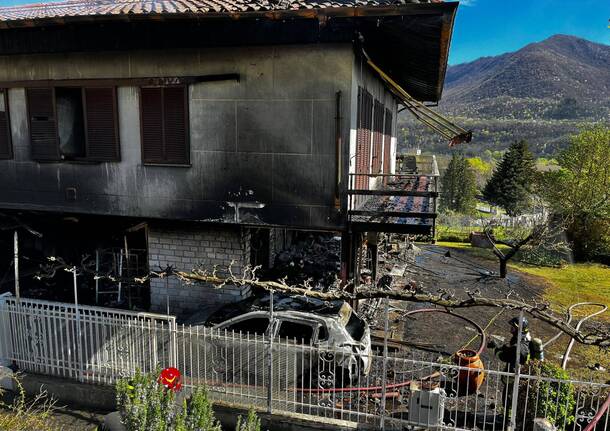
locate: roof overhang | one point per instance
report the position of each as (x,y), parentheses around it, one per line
(410,42)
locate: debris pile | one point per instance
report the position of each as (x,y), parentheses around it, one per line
(313,257)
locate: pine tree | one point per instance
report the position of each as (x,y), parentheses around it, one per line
(511,183)
(458,186)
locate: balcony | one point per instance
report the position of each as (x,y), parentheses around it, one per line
(404,202)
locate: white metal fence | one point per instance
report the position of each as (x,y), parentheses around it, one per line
(91,344)
(405,389)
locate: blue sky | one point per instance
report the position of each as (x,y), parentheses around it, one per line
(491,27)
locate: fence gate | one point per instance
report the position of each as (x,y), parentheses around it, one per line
(91,344)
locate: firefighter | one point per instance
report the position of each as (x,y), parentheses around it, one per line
(507,353)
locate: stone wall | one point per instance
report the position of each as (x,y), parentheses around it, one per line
(186,248)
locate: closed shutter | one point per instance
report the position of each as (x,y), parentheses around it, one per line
(377,137)
(175,125)
(101,120)
(367,124)
(387,142)
(151,100)
(359,142)
(5,129)
(164,125)
(43,131)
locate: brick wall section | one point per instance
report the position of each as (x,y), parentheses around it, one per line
(186,248)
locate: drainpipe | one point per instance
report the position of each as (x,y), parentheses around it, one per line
(338,150)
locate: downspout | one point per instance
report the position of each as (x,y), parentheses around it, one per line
(338,150)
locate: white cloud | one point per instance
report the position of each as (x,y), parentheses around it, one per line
(468,2)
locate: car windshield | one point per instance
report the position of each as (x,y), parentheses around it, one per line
(355,327)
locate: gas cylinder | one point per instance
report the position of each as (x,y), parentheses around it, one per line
(468,382)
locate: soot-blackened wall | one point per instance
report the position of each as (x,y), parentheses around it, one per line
(265,144)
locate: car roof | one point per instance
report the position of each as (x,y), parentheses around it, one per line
(286,305)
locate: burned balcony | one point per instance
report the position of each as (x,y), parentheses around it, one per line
(403,202)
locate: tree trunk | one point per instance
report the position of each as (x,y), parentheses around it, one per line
(503,263)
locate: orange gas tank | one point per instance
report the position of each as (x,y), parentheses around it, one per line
(469,381)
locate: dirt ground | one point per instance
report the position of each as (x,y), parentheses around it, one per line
(433,269)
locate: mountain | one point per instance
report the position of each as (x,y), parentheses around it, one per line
(541,93)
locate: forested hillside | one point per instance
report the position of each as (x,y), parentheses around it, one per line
(541,93)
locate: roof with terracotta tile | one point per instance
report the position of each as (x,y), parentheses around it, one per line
(84,8)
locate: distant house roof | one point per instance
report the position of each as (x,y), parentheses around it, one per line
(92,8)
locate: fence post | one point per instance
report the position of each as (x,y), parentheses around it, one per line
(385,365)
(4,331)
(270,355)
(515,388)
(78,328)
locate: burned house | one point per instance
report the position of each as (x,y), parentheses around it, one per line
(140,134)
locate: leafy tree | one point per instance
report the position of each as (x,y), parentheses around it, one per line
(511,183)
(482,170)
(580,191)
(458,186)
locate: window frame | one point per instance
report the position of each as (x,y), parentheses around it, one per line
(187,133)
(248,316)
(314,330)
(83,159)
(10,155)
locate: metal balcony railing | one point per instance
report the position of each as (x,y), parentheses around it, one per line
(401,202)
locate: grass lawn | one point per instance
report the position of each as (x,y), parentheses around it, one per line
(566,285)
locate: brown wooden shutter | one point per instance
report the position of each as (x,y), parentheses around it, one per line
(360,180)
(151,100)
(377,137)
(101,124)
(175,125)
(5,129)
(43,130)
(387,146)
(367,125)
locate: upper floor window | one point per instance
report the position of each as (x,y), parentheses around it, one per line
(165,125)
(6,151)
(73,123)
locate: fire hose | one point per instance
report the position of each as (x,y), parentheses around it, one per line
(406,382)
(566,355)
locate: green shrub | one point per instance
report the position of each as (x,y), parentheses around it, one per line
(251,423)
(547,399)
(146,405)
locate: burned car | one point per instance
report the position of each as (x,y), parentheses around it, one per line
(315,343)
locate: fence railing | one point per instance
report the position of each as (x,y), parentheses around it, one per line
(406,389)
(87,343)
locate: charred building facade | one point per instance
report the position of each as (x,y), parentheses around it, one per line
(144,134)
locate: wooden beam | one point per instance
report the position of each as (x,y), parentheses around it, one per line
(157,81)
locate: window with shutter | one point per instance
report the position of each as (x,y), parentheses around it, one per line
(101,124)
(43,130)
(73,123)
(377,137)
(5,129)
(363,138)
(165,125)
(387,141)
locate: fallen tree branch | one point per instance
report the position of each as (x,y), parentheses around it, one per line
(410,294)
